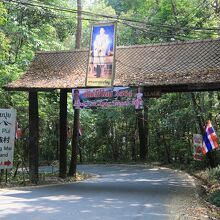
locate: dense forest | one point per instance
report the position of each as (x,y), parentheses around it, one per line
(109,135)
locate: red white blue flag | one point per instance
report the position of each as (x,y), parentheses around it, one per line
(209,139)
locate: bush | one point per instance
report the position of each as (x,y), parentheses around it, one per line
(196,166)
(214,174)
(214,198)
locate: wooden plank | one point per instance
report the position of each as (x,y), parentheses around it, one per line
(166,88)
(191,87)
(33,137)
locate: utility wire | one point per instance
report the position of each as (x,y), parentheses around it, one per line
(150,24)
(160,34)
(58,8)
(196,10)
(190,16)
(192,29)
(176,36)
(42,6)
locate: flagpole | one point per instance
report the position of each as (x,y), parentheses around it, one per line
(211,159)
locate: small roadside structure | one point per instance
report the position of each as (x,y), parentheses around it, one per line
(168,67)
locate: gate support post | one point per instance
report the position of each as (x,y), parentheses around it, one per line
(75,143)
(142,137)
(33,136)
(63,134)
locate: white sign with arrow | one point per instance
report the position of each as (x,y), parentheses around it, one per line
(7,137)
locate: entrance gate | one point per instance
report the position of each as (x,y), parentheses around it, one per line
(158,68)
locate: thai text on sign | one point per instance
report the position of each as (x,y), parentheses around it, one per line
(7,137)
(107,97)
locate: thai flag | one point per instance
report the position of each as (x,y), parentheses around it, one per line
(209,139)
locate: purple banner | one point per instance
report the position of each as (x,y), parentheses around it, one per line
(107,97)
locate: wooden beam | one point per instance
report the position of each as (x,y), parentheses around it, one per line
(33,137)
(190,87)
(63,134)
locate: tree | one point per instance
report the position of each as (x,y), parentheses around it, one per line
(75,135)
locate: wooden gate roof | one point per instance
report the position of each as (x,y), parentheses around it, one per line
(178,66)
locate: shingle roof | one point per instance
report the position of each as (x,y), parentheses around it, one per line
(178,63)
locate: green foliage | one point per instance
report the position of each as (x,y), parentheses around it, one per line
(166,20)
(214,198)
(124,6)
(25,30)
(196,165)
(3,13)
(103,135)
(214,174)
(4,42)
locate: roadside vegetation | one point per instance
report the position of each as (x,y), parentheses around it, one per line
(21,178)
(213,186)
(207,181)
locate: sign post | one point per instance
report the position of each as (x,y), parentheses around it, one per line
(7,137)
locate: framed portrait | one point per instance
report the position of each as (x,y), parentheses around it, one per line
(101,59)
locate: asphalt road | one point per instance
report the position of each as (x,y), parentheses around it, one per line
(119,192)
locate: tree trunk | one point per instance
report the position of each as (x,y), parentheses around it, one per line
(75,138)
(33,137)
(57,141)
(63,134)
(79,24)
(1,174)
(113,142)
(146,123)
(190,153)
(142,138)
(210,95)
(125,139)
(80,155)
(200,120)
(133,143)
(16,169)
(75,142)
(167,150)
(174,9)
